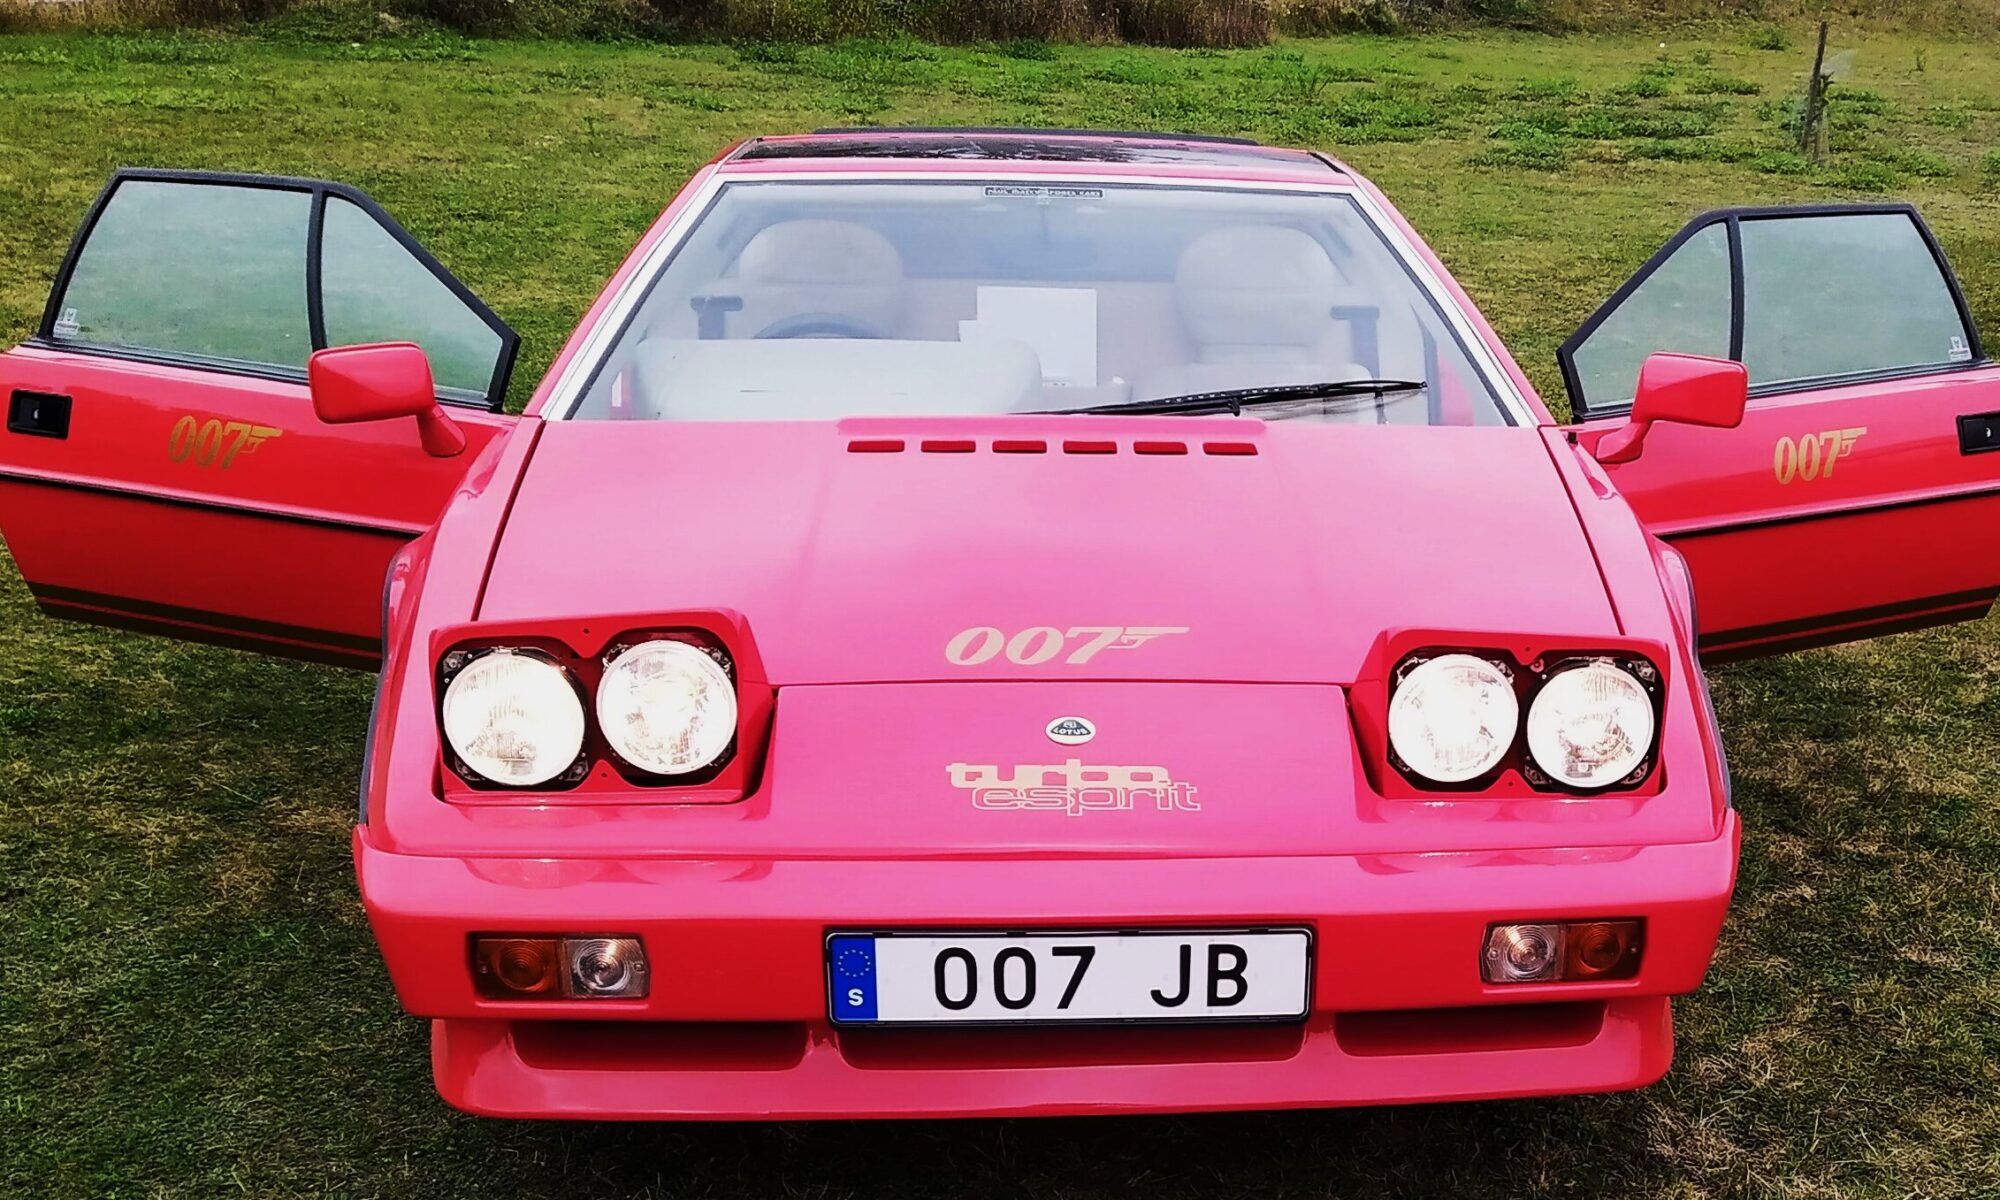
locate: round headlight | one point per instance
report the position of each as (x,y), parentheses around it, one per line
(513,717)
(667,707)
(1453,718)
(1590,725)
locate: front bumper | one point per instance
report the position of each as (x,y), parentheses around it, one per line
(737,1023)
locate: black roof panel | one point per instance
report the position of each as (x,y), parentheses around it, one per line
(1040,131)
(1037,145)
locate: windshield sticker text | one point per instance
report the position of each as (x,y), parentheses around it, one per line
(1029,192)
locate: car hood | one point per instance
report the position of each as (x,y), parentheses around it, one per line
(1127,548)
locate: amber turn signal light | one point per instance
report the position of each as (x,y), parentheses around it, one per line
(559,968)
(1561,952)
(1600,950)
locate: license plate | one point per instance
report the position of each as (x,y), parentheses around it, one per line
(1009,978)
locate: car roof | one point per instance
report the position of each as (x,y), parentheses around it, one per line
(1168,153)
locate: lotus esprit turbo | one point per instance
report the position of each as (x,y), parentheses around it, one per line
(1002,622)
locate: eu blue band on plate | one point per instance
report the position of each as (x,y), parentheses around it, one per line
(853,977)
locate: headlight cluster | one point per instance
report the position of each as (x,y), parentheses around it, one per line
(1591,725)
(1453,717)
(515,716)
(1456,717)
(667,708)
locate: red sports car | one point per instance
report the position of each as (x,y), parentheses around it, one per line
(1001,621)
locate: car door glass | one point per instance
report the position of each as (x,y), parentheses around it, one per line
(209,272)
(1827,296)
(374,289)
(1683,305)
(1804,298)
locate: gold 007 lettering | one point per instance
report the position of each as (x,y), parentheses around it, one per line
(214,443)
(1038,644)
(1812,456)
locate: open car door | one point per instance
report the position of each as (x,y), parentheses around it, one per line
(162,467)
(1858,496)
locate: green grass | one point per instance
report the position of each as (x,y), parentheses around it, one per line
(189,1001)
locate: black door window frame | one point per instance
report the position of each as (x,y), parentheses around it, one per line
(319,189)
(1733,219)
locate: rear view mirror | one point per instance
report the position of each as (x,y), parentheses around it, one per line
(1687,389)
(379,383)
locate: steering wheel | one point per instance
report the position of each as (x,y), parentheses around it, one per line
(820,325)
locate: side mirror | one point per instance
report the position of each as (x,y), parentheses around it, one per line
(1687,389)
(379,383)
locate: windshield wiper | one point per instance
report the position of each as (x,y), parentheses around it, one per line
(1235,400)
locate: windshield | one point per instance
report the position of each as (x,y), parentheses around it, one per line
(815,300)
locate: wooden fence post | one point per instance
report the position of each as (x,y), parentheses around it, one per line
(1812,122)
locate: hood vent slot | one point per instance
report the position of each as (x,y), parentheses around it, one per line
(1038,446)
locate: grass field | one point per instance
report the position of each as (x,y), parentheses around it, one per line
(190,1004)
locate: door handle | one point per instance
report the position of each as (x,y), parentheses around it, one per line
(38,414)
(1978,433)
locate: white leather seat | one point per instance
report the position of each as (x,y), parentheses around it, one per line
(819,274)
(1256,302)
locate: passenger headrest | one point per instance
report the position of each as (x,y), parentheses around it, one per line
(832,253)
(795,268)
(1255,285)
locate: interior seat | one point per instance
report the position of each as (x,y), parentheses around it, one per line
(819,275)
(1257,305)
